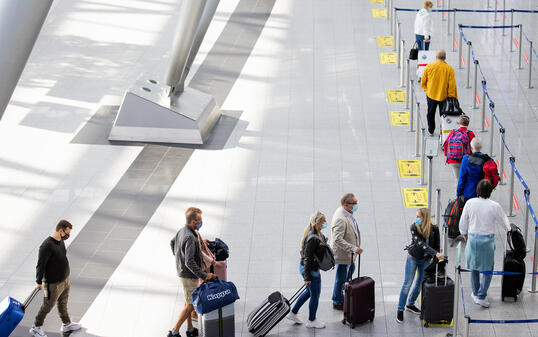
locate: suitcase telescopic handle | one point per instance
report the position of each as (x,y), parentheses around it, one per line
(297,294)
(29,299)
(350,274)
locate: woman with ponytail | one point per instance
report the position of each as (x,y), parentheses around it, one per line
(313,247)
(424,245)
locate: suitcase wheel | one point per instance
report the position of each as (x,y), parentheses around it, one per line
(344,321)
(426,324)
(352,326)
(372,319)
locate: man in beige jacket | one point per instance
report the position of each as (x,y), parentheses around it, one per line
(345,243)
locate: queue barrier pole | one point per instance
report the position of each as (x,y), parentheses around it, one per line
(443,8)
(530,65)
(512,30)
(467,325)
(399,61)
(469,46)
(448,19)
(438,209)
(475,84)
(495,15)
(501,160)
(430,179)
(423,163)
(534,261)
(417,133)
(460,65)
(491,128)
(454,28)
(483,129)
(527,193)
(407,91)
(520,42)
(511,196)
(456,301)
(396,44)
(504,16)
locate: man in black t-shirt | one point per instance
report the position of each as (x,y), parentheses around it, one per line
(52,275)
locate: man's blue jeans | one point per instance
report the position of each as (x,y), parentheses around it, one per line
(312,292)
(412,266)
(480,284)
(421,44)
(342,275)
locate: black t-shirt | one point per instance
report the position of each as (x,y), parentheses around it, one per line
(52,264)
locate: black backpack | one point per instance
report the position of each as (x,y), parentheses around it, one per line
(452,217)
(516,242)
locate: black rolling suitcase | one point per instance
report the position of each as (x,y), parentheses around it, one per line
(511,285)
(359,299)
(268,314)
(437,301)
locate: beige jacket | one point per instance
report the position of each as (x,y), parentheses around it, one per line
(344,238)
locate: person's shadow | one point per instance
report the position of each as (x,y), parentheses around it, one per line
(22,331)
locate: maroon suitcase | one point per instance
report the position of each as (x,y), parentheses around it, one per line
(359,299)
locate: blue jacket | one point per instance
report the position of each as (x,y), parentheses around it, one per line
(471,172)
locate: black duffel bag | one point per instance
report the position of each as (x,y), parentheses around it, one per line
(219,249)
(451,107)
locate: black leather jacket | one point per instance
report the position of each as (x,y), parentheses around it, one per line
(418,248)
(312,247)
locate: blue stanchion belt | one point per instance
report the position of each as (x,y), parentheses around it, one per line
(495,272)
(516,171)
(503,321)
(488,27)
(465,10)
(531,212)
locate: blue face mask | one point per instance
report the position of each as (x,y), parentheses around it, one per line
(418,222)
(198,225)
(355,208)
(324,225)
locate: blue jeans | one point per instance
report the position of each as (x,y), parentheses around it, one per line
(421,44)
(412,266)
(342,275)
(480,285)
(312,292)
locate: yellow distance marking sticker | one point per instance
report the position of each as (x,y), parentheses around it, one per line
(415,197)
(385,41)
(379,13)
(381,2)
(409,168)
(396,96)
(387,58)
(399,118)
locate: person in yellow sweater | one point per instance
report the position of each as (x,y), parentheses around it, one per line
(439,82)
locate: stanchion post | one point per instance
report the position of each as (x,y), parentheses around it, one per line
(530,65)
(475,83)
(534,263)
(402,65)
(467,325)
(483,106)
(448,19)
(443,8)
(454,28)
(460,65)
(399,60)
(512,30)
(438,209)
(456,301)
(527,193)
(423,162)
(520,43)
(495,15)
(504,15)
(491,128)
(511,196)
(430,182)
(396,44)
(407,91)
(501,160)
(417,132)
(469,45)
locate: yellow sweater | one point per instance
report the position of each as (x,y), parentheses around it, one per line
(439,81)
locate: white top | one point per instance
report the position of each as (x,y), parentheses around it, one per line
(480,216)
(423,23)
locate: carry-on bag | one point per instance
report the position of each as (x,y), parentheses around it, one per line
(437,300)
(214,294)
(218,323)
(359,299)
(221,271)
(451,107)
(452,217)
(448,124)
(413,52)
(513,261)
(516,242)
(270,312)
(12,312)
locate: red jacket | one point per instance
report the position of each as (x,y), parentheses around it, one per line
(445,144)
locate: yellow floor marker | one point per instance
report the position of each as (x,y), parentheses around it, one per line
(385,41)
(396,96)
(379,13)
(409,168)
(399,118)
(387,58)
(381,2)
(415,197)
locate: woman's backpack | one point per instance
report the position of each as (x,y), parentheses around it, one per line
(327,260)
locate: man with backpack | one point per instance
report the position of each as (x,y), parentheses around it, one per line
(458,144)
(475,167)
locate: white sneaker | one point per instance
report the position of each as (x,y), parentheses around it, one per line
(70,327)
(37,332)
(484,303)
(315,324)
(475,299)
(295,318)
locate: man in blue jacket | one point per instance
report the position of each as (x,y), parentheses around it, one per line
(471,170)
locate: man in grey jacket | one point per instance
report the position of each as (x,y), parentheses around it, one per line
(186,249)
(345,243)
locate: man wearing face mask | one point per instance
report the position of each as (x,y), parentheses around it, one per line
(186,249)
(345,243)
(52,275)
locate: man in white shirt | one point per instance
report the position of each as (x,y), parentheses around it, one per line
(477,224)
(424,26)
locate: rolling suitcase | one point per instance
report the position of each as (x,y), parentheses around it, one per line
(437,301)
(218,323)
(12,312)
(268,314)
(359,299)
(448,123)
(511,285)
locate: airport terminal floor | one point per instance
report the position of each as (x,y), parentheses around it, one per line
(306,117)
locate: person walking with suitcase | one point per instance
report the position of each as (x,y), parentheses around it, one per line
(424,26)
(425,243)
(186,249)
(52,275)
(477,225)
(458,144)
(345,243)
(438,82)
(313,247)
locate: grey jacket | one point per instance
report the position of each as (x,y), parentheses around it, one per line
(186,249)
(344,239)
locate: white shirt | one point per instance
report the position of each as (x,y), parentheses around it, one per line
(480,216)
(423,23)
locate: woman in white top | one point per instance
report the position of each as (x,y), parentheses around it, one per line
(424,26)
(477,224)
